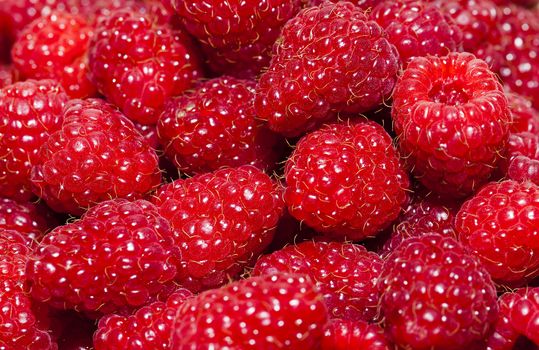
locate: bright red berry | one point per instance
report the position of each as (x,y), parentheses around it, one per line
(346,335)
(525,117)
(29,219)
(451,117)
(6,75)
(345,273)
(346,180)
(30,112)
(118,257)
(138,64)
(216,126)
(417,28)
(19,328)
(96,155)
(55,47)
(500,224)
(237,36)
(521,162)
(221,221)
(363,4)
(436,295)
(329,59)
(150,327)
(267,312)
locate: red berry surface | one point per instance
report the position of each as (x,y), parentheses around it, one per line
(345,335)
(221,222)
(215,126)
(150,327)
(451,117)
(435,295)
(329,59)
(346,180)
(55,47)
(417,28)
(267,312)
(96,155)
(6,75)
(525,117)
(29,219)
(30,112)
(521,162)
(500,224)
(19,328)
(345,273)
(137,64)
(119,256)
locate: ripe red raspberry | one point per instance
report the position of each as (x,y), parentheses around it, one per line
(29,112)
(329,59)
(417,28)
(436,295)
(346,335)
(346,180)
(500,224)
(216,126)
(149,328)
(363,4)
(451,117)
(95,156)
(119,256)
(221,221)
(237,36)
(6,75)
(345,273)
(29,219)
(19,328)
(521,161)
(149,132)
(267,312)
(138,64)
(55,47)
(429,214)
(525,117)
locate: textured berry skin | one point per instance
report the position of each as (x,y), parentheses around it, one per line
(148,328)
(436,295)
(525,117)
(119,256)
(221,221)
(267,312)
(429,214)
(96,155)
(29,219)
(345,335)
(329,59)
(237,36)
(363,4)
(345,273)
(6,75)
(215,127)
(521,162)
(500,224)
(18,323)
(29,112)
(451,117)
(137,64)
(55,47)
(346,180)
(417,28)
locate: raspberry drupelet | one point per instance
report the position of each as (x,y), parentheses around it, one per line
(346,335)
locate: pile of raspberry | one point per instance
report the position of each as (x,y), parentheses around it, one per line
(269,174)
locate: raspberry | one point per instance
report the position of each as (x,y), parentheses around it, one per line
(363,4)
(19,327)
(237,36)
(221,221)
(267,312)
(436,295)
(500,225)
(95,156)
(346,181)
(149,132)
(525,117)
(417,28)
(345,335)
(119,256)
(522,157)
(329,59)
(29,219)
(30,112)
(216,126)
(451,117)
(139,64)
(6,75)
(148,328)
(345,273)
(55,47)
